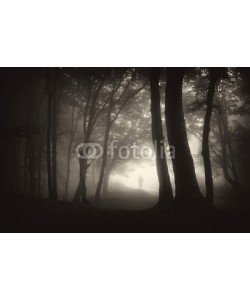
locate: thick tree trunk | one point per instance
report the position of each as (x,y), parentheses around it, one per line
(205,140)
(104,158)
(165,188)
(186,185)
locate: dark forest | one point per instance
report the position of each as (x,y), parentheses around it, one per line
(125,149)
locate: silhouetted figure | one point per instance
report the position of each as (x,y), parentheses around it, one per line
(140,181)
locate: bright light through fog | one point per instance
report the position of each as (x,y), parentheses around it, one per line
(148,172)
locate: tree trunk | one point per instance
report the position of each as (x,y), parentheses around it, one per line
(186,186)
(81,191)
(72,135)
(165,188)
(54,144)
(67,174)
(225,162)
(39,167)
(224,119)
(205,140)
(32,173)
(106,180)
(49,127)
(53,104)
(26,163)
(104,158)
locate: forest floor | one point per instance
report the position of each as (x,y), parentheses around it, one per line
(24,214)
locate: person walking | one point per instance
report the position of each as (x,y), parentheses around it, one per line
(140,181)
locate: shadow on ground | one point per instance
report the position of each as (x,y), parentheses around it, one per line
(23,214)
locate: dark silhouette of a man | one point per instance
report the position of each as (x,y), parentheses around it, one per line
(140,181)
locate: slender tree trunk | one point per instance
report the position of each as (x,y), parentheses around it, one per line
(165,188)
(54,143)
(93,176)
(53,104)
(39,171)
(81,191)
(224,119)
(26,161)
(32,173)
(186,185)
(12,168)
(205,140)
(50,189)
(224,158)
(67,174)
(73,129)
(106,180)
(104,158)
(16,175)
